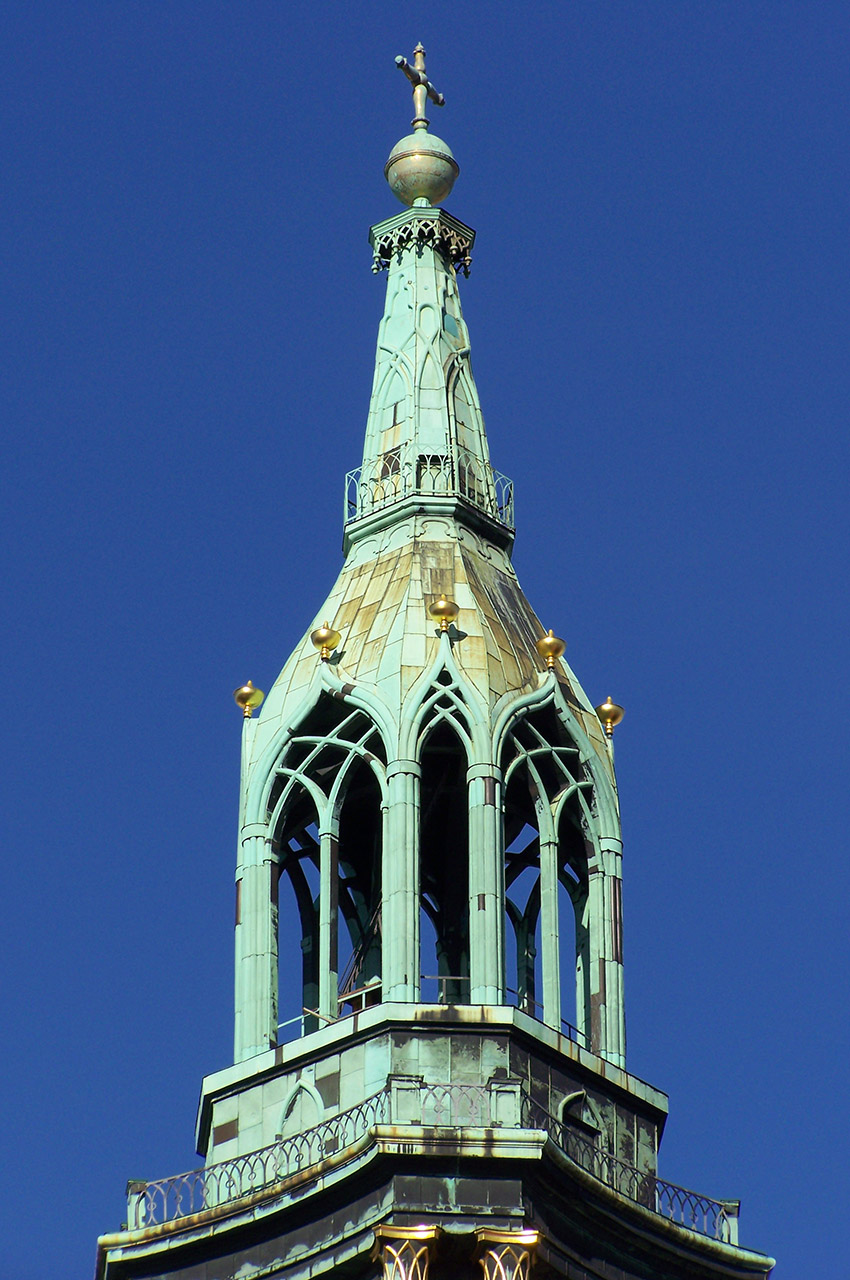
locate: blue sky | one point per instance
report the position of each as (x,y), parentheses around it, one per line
(659,315)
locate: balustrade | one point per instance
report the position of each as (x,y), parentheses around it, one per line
(410,1100)
(398,475)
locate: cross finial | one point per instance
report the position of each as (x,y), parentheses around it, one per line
(422,87)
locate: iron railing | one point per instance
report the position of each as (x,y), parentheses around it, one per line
(403,473)
(461,1106)
(443,1105)
(217,1184)
(716,1218)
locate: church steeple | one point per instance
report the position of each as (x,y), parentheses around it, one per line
(430,789)
(425,441)
(452,785)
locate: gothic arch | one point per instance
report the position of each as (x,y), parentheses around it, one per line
(302,1108)
(329,680)
(513,707)
(443,692)
(544,779)
(324,812)
(444,860)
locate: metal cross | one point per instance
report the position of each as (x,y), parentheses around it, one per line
(422,87)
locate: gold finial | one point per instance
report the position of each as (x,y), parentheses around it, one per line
(610,715)
(422,87)
(550,648)
(443,611)
(247,697)
(325,639)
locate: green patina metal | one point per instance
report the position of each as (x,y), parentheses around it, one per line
(425,520)
(451,783)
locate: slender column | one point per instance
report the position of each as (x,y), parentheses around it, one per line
(605,953)
(329,920)
(550,959)
(505,1255)
(256,944)
(400,878)
(615,1015)
(486,886)
(404,1252)
(595,957)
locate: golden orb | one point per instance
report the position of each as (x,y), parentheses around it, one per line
(325,639)
(550,648)
(421,166)
(247,697)
(610,714)
(443,611)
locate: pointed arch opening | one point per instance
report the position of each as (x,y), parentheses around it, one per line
(576,858)
(296,915)
(325,810)
(523,979)
(444,868)
(546,874)
(359,867)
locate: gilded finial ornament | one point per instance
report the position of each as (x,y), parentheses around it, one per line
(443,611)
(422,87)
(550,648)
(247,697)
(421,169)
(610,714)
(325,639)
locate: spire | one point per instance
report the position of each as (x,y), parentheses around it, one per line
(425,724)
(429,831)
(425,447)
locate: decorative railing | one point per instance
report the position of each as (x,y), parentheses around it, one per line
(409,1100)
(462,1106)
(403,473)
(216,1184)
(716,1218)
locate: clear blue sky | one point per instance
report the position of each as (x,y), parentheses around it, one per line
(659,314)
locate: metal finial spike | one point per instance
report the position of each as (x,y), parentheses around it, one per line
(550,648)
(247,697)
(443,611)
(325,639)
(610,714)
(422,87)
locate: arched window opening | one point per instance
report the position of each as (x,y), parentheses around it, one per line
(444,868)
(573,921)
(325,808)
(359,930)
(523,986)
(545,872)
(298,917)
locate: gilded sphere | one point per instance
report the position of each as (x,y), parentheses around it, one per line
(443,611)
(247,697)
(550,647)
(610,714)
(421,166)
(325,638)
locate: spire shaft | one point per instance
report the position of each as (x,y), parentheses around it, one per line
(425,436)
